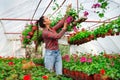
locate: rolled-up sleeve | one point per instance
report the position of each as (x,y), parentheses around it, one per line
(50,35)
(59,24)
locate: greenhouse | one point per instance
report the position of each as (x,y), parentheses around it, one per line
(60,39)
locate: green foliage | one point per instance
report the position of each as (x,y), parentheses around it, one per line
(38,61)
(103,7)
(101,30)
(37,37)
(69,28)
(80,35)
(72,12)
(101,15)
(15,71)
(55,5)
(101,0)
(26,42)
(108,62)
(104,4)
(25,33)
(27,30)
(37,34)
(64,49)
(55,20)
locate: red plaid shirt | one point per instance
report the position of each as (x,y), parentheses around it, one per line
(50,36)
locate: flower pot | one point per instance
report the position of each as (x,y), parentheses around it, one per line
(80,75)
(103,35)
(86,39)
(97,77)
(64,71)
(80,41)
(90,77)
(72,74)
(91,37)
(117,33)
(67,72)
(83,75)
(75,42)
(110,30)
(98,35)
(108,34)
(112,34)
(76,74)
(86,76)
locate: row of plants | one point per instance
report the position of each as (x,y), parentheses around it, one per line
(103,30)
(25,69)
(83,66)
(92,67)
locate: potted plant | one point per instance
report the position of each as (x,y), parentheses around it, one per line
(39,62)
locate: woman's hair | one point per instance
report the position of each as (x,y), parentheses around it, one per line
(40,22)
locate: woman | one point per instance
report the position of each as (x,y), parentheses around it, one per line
(52,58)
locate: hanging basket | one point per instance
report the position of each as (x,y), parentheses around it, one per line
(117,33)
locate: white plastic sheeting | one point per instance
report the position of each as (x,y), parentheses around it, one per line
(10,46)
(109,44)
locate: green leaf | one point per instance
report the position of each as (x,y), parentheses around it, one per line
(101,0)
(104,5)
(101,15)
(54,8)
(57,5)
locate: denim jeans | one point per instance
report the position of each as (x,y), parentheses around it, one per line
(53,61)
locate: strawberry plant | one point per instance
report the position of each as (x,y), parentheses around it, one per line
(29,34)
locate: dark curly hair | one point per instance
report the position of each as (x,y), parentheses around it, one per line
(40,22)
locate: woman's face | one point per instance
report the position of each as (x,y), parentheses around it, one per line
(47,21)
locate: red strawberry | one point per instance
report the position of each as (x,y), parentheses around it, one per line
(34,28)
(30,33)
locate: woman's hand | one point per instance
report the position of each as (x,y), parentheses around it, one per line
(65,25)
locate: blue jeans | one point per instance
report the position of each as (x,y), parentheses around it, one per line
(53,61)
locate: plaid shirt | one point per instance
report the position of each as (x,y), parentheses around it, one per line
(50,36)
